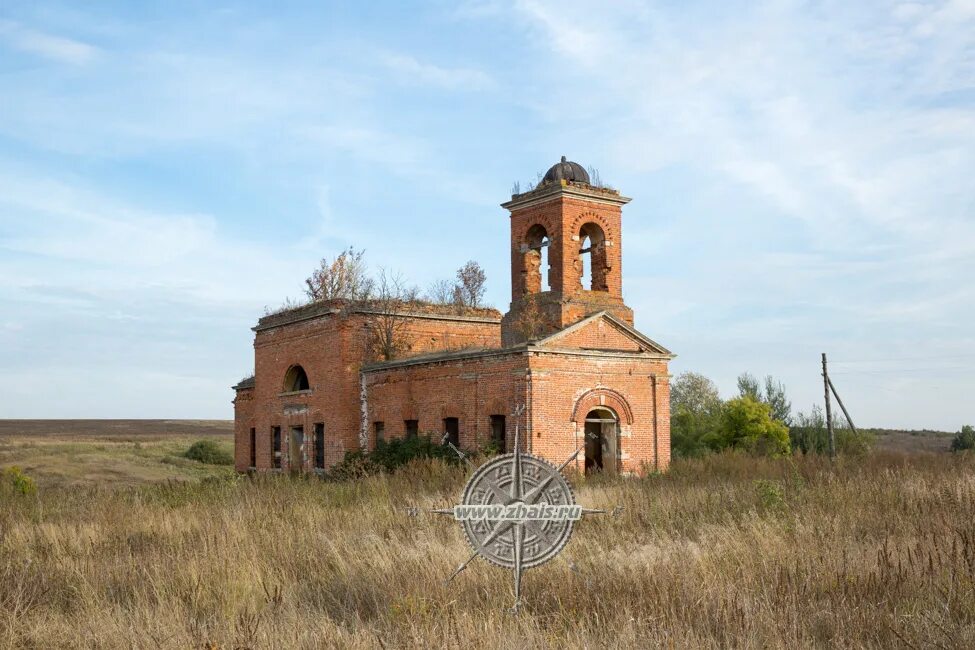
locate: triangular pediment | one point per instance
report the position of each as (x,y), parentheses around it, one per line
(603,332)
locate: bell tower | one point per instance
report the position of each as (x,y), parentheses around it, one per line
(566,254)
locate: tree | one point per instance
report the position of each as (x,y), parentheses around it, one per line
(395,303)
(344,277)
(695,393)
(773,395)
(776,399)
(964,439)
(594,178)
(441,292)
(808,431)
(748,387)
(808,434)
(469,290)
(695,409)
(747,424)
(530,323)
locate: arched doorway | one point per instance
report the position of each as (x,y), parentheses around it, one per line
(602,441)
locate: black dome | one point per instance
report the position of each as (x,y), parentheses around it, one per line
(566,170)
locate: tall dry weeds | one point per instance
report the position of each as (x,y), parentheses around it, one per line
(723,551)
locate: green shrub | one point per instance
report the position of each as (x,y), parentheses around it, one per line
(14,479)
(491,448)
(849,443)
(388,456)
(964,439)
(770,493)
(209,452)
(809,434)
(748,425)
(355,465)
(694,434)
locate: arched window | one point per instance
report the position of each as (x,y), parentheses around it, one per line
(537,267)
(592,258)
(295,379)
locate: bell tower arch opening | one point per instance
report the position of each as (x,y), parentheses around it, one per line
(538,271)
(592,255)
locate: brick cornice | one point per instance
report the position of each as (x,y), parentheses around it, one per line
(443,357)
(600,354)
(553,191)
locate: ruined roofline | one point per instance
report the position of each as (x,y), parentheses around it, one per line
(245,383)
(574,189)
(444,356)
(424,310)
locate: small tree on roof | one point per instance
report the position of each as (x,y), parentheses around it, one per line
(396,303)
(441,292)
(469,290)
(344,277)
(530,323)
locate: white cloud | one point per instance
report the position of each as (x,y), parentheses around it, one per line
(49,46)
(96,246)
(302,113)
(408,70)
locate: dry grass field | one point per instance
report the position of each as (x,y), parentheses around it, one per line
(729,551)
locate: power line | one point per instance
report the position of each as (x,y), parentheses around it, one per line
(898,371)
(963,355)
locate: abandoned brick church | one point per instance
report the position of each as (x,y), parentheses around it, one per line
(566,351)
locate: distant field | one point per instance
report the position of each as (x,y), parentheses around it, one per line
(913,441)
(115,428)
(109,452)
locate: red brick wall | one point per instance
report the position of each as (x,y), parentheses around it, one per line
(560,389)
(471,390)
(243,421)
(330,349)
(565,387)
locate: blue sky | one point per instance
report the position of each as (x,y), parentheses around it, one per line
(801,178)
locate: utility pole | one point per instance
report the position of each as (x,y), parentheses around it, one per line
(843,408)
(829,412)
